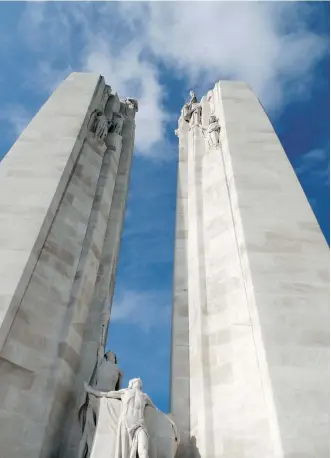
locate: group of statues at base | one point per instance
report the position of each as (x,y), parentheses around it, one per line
(127,434)
(192,112)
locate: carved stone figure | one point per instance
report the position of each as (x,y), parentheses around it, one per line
(106,376)
(129,107)
(131,435)
(105,97)
(192,109)
(196,115)
(177,132)
(213,131)
(102,126)
(117,124)
(133,103)
(99,124)
(113,105)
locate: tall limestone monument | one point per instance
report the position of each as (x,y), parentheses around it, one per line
(250,330)
(63,189)
(250,327)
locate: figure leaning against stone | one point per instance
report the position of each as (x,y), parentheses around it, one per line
(132,435)
(106,376)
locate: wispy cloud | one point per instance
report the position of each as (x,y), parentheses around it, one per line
(205,44)
(315,165)
(145,309)
(274,51)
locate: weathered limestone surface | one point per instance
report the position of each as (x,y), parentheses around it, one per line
(60,180)
(180,369)
(255,267)
(41,162)
(104,283)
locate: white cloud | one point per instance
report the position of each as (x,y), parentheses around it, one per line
(315,166)
(265,44)
(243,41)
(314,158)
(145,309)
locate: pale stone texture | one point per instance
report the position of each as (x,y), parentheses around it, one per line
(60,182)
(255,266)
(105,280)
(180,370)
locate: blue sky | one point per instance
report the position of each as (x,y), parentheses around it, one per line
(156,52)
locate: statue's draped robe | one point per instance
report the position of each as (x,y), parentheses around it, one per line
(112,438)
(109,379)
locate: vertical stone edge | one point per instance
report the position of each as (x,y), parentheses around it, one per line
(46,223)
(179,364)
(105,280)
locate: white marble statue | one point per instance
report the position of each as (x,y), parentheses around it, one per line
(192,110)
(213,131)
(132,439)
(196,115)
(193,98)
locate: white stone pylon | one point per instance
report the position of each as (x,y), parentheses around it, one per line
(65,181)
(250,326)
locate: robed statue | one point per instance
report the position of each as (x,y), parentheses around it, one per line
(192,109)
(132,437)
(213,131)
(107,376)
(115,422)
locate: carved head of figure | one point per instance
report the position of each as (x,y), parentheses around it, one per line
(212,119)
(105,97)
(193,97)
(111,357)
(133,103)
(135,383)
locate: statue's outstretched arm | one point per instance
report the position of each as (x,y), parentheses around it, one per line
(91,390)
(114,394)
(103,394)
